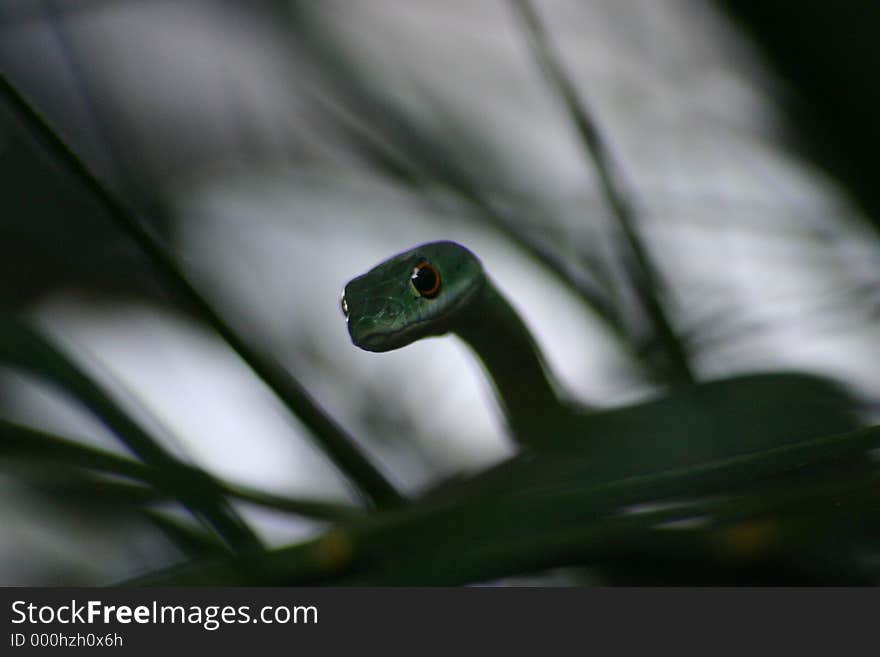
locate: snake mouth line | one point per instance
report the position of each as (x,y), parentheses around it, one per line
(381,341)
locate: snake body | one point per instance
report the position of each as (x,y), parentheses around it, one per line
(441,287)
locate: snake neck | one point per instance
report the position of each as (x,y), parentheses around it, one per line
(511,357)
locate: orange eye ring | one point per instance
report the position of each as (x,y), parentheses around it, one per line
(426,279)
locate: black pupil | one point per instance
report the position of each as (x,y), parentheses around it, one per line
(425,279)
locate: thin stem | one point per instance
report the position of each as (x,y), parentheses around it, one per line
(33,445)
(647,281)
(387,138)
(25,349)
(331,438)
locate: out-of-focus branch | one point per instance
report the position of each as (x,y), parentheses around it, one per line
(645,277)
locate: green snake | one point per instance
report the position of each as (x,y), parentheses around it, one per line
(441,287)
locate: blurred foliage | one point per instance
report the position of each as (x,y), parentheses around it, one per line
(828,58)
(751,479)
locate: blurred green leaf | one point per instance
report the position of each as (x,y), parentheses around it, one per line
(90,493)
(192,541)
(331,438)
(673,364)
(85,494)
(25,444)
(395,144)
(23,348)
(18,442)
(574,504)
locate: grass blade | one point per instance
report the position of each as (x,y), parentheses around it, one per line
(190,540)
(804,488)
(387,138)
(20,443)
(645,277)
(332,439)
(23,348)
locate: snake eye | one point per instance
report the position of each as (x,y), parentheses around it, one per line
(426,279)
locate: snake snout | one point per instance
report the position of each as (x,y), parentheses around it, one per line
(372,329)
(343,304)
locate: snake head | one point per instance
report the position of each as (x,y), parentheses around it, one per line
(412,295)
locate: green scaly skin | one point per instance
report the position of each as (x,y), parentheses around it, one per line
(385,311)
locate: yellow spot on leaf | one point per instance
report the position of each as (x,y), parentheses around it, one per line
(746,540)
(334,550)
